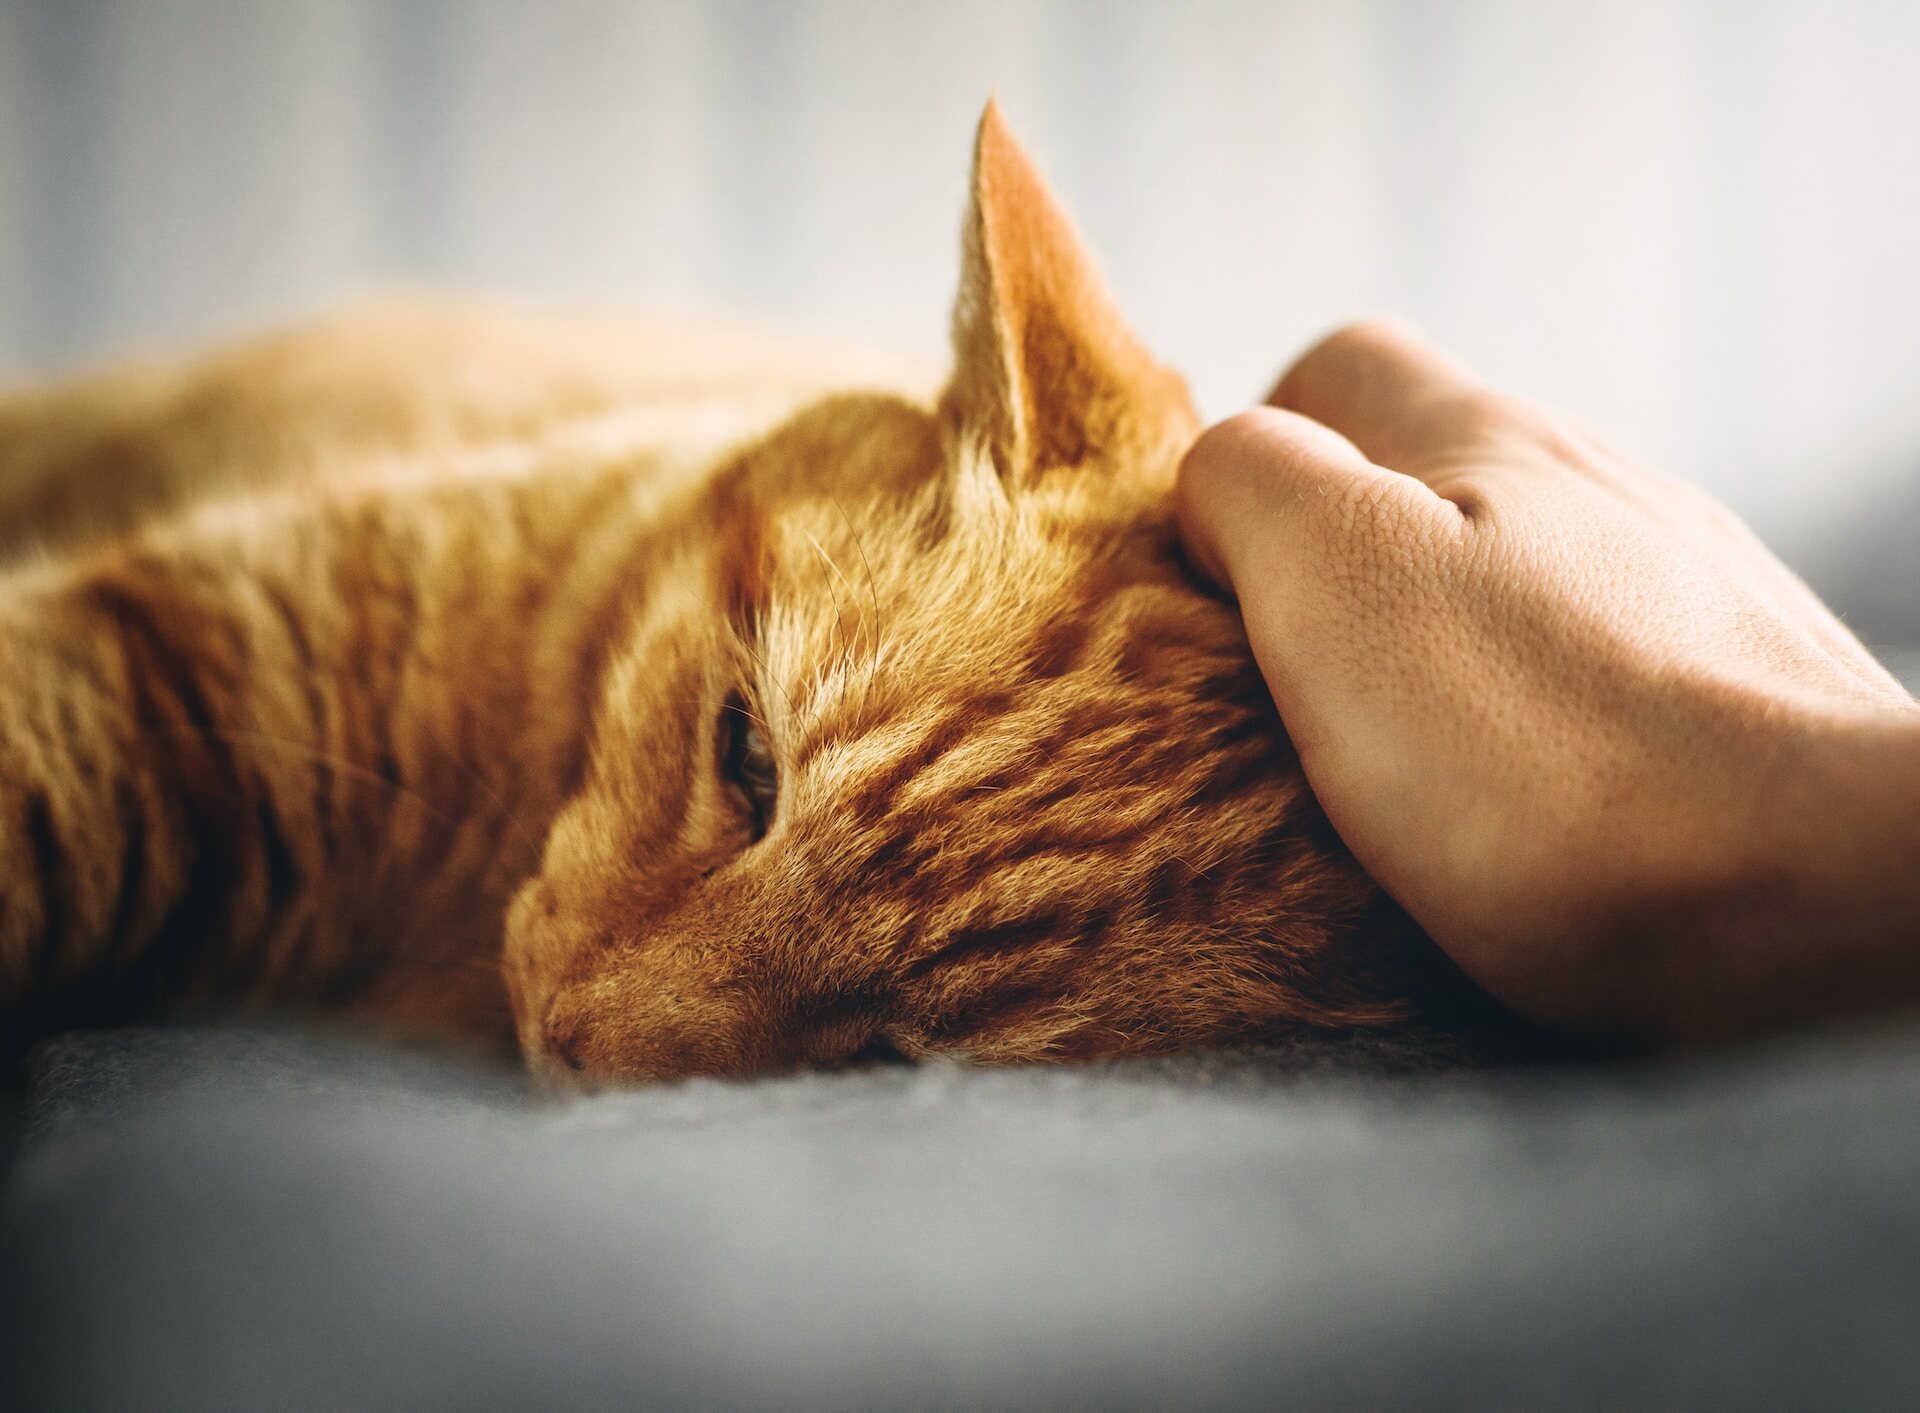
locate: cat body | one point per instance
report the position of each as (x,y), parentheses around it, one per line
(661,701)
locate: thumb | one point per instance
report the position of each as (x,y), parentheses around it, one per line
(1272,494)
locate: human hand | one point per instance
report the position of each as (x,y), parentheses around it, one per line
(1615,758)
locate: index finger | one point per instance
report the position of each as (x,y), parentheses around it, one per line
(1264,493)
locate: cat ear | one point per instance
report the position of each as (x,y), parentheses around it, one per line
(1046,372)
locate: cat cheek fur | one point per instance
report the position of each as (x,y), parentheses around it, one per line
(651,820)
(703,987)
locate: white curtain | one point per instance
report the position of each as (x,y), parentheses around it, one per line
(1695,224)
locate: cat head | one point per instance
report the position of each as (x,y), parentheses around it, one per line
(926,741)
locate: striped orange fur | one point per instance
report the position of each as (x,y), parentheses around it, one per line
(648,698)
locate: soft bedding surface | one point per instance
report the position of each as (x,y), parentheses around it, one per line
(252,1219)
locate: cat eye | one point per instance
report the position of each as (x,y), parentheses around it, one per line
(747,765)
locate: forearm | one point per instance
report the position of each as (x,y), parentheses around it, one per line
(1851,846)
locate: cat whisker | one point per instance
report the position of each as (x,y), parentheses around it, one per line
(839,622)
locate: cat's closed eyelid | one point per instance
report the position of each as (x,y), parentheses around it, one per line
(747,762)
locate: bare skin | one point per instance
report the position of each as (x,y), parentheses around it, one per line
(1615,758)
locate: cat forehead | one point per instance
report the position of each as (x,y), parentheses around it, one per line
(1014,638)
(894,459)
(889,557)
(970,584)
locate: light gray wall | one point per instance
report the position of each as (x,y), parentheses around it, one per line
(1696,224)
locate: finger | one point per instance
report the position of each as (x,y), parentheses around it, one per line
(1397,397)
(1261,493)
(1302,529)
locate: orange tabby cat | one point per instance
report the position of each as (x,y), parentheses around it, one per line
(508,678)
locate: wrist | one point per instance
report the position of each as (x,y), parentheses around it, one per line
(1777,886)
(1822,915)
(1850,821)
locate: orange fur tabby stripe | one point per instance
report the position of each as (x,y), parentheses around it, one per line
(522,679)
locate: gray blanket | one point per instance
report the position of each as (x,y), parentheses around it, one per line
(249,1219)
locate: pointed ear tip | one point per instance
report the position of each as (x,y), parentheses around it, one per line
(993,136)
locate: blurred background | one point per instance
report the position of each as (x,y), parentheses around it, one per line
(1694,224)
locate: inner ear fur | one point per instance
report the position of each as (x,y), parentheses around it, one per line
(1046,373)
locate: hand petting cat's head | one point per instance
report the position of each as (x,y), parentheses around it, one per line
(925,741)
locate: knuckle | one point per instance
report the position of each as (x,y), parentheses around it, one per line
(1340,359)
(1222,453)
(1255,449)
(1244,431)
(1373,335)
